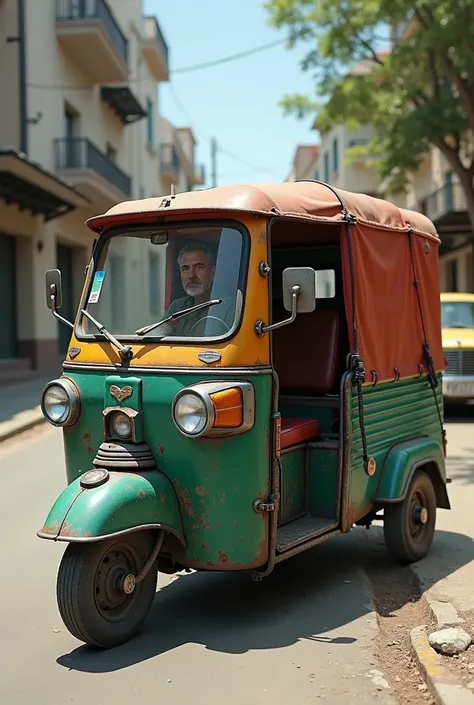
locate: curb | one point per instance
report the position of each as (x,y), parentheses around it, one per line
(445,687)
(30,419)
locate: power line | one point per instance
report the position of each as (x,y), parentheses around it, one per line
(232,57)
(184,69)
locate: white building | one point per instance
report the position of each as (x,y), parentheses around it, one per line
(79,131)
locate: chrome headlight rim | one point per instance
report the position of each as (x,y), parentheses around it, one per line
(74,399)
(208,405)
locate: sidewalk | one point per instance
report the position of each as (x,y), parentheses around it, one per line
(19,407)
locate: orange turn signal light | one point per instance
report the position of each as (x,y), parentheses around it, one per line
(228,406)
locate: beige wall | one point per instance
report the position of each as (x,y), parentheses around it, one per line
(9,76)
(54,80)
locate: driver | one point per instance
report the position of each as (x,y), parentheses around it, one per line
(197,268)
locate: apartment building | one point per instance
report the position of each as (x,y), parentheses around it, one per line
(177,158)
(79,132)
(304,162)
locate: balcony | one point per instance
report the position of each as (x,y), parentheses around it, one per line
(95,174)
(89,34)
(447,208)
(155,49)
(169,164)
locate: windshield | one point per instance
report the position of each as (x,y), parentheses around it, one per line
(144,276)
(457,314)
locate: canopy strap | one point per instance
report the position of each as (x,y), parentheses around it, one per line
(432,378)
(355,361)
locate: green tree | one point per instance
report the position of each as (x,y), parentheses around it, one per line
(420,93)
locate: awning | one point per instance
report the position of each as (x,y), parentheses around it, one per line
(32,188)
(122,101)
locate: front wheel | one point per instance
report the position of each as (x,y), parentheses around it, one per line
(92,588)
(409,525)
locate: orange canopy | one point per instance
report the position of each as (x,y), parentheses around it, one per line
(388,250)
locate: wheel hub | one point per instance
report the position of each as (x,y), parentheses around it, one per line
(128,583)
(421,515)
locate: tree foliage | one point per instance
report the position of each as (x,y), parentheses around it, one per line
(420,93)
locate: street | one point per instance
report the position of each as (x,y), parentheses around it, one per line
(307,633)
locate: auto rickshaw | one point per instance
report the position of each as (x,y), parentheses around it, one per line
(251,372)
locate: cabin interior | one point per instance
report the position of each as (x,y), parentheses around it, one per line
(309,357)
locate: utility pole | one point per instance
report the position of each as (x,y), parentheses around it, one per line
(214,161)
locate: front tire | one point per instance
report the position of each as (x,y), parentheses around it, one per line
(89,590)
(409,525)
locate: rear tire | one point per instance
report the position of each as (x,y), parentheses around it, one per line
(91,600)
(408,530)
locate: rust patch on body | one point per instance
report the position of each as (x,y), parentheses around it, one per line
(53,529)
(204,547)
(222,557)
(184,498)
(91,450)
(142,494)
(163,497)
(86,437)
(201,491)
(69,531)
(161,450)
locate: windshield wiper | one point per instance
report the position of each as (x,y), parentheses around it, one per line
(175,316)
(125,351)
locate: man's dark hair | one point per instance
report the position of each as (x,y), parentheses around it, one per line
(197,246)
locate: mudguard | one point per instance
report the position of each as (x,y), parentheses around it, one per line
(125,502)
(403,460)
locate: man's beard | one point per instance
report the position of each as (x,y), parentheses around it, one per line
(194,289)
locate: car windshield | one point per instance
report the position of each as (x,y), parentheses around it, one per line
(457,314)
(144,276)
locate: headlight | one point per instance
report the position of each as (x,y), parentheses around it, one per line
(121,425)
(190,414)
(60,402)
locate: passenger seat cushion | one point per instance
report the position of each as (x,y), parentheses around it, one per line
(295,431)
(306,353)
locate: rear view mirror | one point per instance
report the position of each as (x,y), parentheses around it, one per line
(53,289)
(305,279)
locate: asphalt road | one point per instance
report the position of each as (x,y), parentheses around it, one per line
(303,635)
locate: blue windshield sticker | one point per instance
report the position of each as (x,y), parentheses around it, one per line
(96,287)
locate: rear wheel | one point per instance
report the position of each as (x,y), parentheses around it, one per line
(409,525)
(96,601)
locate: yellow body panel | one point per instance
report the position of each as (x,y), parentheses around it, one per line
(245,349)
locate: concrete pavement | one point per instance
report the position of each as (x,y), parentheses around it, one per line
(303,635)
(19,407)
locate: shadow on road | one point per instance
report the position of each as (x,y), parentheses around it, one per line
(305,598)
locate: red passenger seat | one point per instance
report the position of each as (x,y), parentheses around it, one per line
(306,354)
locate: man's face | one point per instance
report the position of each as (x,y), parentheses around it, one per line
(196,273)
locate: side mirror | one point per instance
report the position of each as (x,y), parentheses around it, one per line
(54,290)
(305,279)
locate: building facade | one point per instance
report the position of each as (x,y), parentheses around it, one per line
(79,132)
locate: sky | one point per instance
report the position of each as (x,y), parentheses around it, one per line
(236,102)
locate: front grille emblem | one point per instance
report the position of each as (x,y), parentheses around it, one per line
(121,393)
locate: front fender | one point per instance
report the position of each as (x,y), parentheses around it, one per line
(126,502)
(402,461)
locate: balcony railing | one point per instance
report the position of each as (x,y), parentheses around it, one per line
(446,200)
(151,30)
(70,10)
(169,158)
(80,153)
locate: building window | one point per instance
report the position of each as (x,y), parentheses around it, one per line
(154,282)
(335,156)
(149,121)
(326,167)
